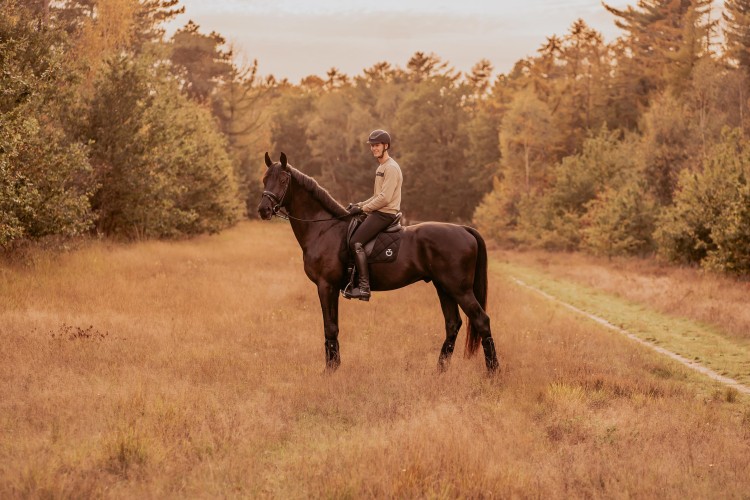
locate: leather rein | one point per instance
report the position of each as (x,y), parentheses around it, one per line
(278,200)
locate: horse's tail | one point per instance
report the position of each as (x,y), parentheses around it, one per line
(480,291)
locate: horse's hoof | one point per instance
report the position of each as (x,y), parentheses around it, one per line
(493,368)
(331,367)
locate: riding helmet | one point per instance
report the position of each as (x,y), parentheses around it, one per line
(379,137)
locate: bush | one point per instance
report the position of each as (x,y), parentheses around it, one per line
(162,165)
(709,220)
(44,175)
(620,222)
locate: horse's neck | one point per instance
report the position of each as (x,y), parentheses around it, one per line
(305,206)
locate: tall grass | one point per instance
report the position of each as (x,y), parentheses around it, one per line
(687,292)
(196,369)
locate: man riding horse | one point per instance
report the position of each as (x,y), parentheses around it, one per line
(381,208)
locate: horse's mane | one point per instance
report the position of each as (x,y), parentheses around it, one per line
(318,192)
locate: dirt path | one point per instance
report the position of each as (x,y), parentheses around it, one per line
(687,362)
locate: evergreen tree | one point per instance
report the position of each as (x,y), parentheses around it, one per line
(162,166)
(200,61)
(437,180)
(736,17)
(664,39)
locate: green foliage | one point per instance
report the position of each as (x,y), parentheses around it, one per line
(44,179)
(163,167)
(669,145)
(497,215)
(105,124)
(338,144)
(200,61)
(620,222)
(605,161)
(709,222)
(431,131)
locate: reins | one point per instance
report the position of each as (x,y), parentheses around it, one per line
(277,200)
(283,215)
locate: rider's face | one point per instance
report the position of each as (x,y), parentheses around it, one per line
(377,150)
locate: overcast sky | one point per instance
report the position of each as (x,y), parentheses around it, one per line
(296,38)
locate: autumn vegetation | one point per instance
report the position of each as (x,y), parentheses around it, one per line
(635,146)
(195,369)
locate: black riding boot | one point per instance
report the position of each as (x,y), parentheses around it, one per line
(360,260)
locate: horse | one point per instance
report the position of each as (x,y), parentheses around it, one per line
(451,256)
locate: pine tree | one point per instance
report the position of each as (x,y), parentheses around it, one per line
(737,32)
(664,40)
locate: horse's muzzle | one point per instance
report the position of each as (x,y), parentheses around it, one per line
(264,210)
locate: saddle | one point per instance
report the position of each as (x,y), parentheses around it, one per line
(384,247)
(381,249)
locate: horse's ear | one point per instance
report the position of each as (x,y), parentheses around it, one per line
(268,160)
(283,160)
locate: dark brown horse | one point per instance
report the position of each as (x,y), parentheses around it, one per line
(453,257)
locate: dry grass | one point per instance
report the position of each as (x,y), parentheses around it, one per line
(195,369)
(685,292)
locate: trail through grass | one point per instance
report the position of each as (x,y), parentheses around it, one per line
(693,340)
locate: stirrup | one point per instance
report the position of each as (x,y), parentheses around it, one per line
(355,293)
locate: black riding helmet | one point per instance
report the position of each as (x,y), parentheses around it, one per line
(379,137)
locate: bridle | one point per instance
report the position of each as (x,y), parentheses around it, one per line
(278,200)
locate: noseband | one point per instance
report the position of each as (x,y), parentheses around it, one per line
(278,200)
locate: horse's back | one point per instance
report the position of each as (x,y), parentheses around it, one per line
(442,234)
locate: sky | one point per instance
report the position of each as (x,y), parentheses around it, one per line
(295,38)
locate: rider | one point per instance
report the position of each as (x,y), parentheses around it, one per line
(381,208)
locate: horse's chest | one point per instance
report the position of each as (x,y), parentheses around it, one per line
(321,264)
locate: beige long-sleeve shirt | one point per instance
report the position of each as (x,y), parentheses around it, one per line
(387,193)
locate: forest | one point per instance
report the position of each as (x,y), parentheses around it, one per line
(637,147)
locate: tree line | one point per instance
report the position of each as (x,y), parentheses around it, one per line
(633,147)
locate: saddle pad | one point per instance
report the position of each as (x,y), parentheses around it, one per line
(384,247)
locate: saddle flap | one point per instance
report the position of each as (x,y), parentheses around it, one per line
(384,247)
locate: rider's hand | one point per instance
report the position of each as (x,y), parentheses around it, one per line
(354,210)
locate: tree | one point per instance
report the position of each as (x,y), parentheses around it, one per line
(338,132)
(431,130)
(669,145)
(162,165)
(289,126)
(664,39)
(736,17)
(44,173)
(709,220)
(620,222)
(241,107)
(200,61)
(525,135)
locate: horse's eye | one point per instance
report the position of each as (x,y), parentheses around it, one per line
(283,180)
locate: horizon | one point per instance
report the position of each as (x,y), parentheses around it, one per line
(292,39)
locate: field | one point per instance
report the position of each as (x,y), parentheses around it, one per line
(195,369)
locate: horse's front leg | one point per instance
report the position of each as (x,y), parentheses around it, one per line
(329,304)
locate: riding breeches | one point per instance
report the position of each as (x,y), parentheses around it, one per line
(370,227)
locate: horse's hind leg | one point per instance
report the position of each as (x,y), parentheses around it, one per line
(452,325)
(480,321)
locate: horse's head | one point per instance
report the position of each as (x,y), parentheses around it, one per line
(275,187)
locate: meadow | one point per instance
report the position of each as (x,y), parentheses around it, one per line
(195,369)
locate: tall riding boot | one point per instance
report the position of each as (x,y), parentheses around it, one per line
(360,260)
